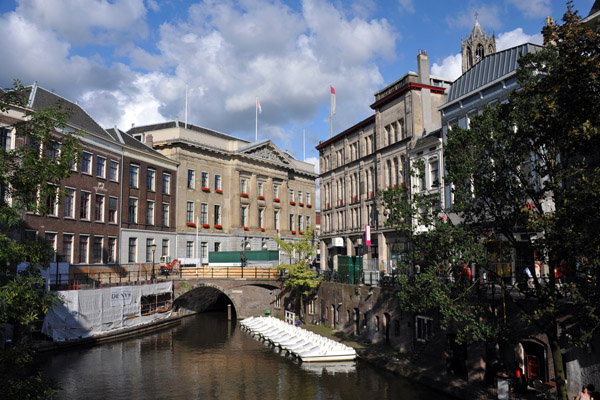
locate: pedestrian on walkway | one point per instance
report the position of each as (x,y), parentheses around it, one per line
(584,394)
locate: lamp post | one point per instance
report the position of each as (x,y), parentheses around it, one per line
(153,276)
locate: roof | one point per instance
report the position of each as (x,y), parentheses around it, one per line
(174,124)
(354,128)
(79,118)
(489,69)
(126,139)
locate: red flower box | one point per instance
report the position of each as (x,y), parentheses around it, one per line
(245,228)
(277,230)
(218,226)
(372,194)
(244,195)
(205,189)
(261,197)
(301,204)
(300,233)
(220,191)
(293,232)
(276,200)
(309,205)
(262,229)
(205,225)
(292,203)
(191,224)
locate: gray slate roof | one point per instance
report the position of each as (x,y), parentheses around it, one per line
(173,124)
(489,69)
(136,144)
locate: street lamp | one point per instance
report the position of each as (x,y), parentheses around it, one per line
(153,276)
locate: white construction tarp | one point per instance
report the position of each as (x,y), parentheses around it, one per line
(86,313)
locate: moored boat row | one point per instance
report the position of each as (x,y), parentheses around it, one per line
(301,343)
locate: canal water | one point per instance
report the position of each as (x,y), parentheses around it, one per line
(208,357)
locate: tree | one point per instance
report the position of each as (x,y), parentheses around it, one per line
(528,173)
(434,273)
(30,178)
(301,280)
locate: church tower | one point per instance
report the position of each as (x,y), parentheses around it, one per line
(478,45)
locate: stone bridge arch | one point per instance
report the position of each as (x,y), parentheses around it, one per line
(247,297)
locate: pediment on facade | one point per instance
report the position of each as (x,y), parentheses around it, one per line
(267,151)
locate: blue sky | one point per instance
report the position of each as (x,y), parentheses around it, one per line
(129,61)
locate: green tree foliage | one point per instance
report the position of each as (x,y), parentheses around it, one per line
(528,172)
(433,270)
(30,175)
(301,279)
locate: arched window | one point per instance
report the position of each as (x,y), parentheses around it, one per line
(469,57)
(479,53)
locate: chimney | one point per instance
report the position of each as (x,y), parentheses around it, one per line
(149,141)
(423,67)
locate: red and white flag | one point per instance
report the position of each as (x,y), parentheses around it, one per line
(332,100)
(258,106)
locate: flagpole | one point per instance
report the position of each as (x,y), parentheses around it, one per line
(304,142)
(186,104)
(256,120)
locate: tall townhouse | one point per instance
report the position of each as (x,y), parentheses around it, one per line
(232,195)
(148,202)
(371,156)
(83,227)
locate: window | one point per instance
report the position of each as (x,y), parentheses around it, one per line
(166,183)
(217,247)
(300,223)
(191,178)
(291,194)
(189,215)
(423,327)
(261,217)
(189,249)
(299,196)
(67,248)
(291,222)
(434,171)
(5,141)
(204,250)
(243,185)
(150,180)
(132,214)
(204,213)
(53,152)
(244,219)
(97,250)
(83,249)
(86,163)
(276,191)
(133,176)
(217,214)
(276,219)
(100,167)
(149,252)
(218,182)
(69,203)
(308,198)
(260,189)
(165,248)
(51,240)
(132,253)
(113,203)
(204,179)
(149,212)
(112,250)
(84,209)
(308,225)
(114,171)
(99,208)
(51,201)
(165,215)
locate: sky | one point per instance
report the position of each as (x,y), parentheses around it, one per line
(128,62)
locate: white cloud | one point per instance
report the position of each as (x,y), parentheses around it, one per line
(87,21)
(315,162)
(407,6)
(516,37)
(533,8)
(488,17)
(451,67)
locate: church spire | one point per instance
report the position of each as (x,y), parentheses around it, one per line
(477,45)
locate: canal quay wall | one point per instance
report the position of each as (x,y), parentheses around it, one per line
(371,320)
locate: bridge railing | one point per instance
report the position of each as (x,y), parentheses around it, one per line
(229,273)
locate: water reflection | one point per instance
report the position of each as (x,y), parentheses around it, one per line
(207,357)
